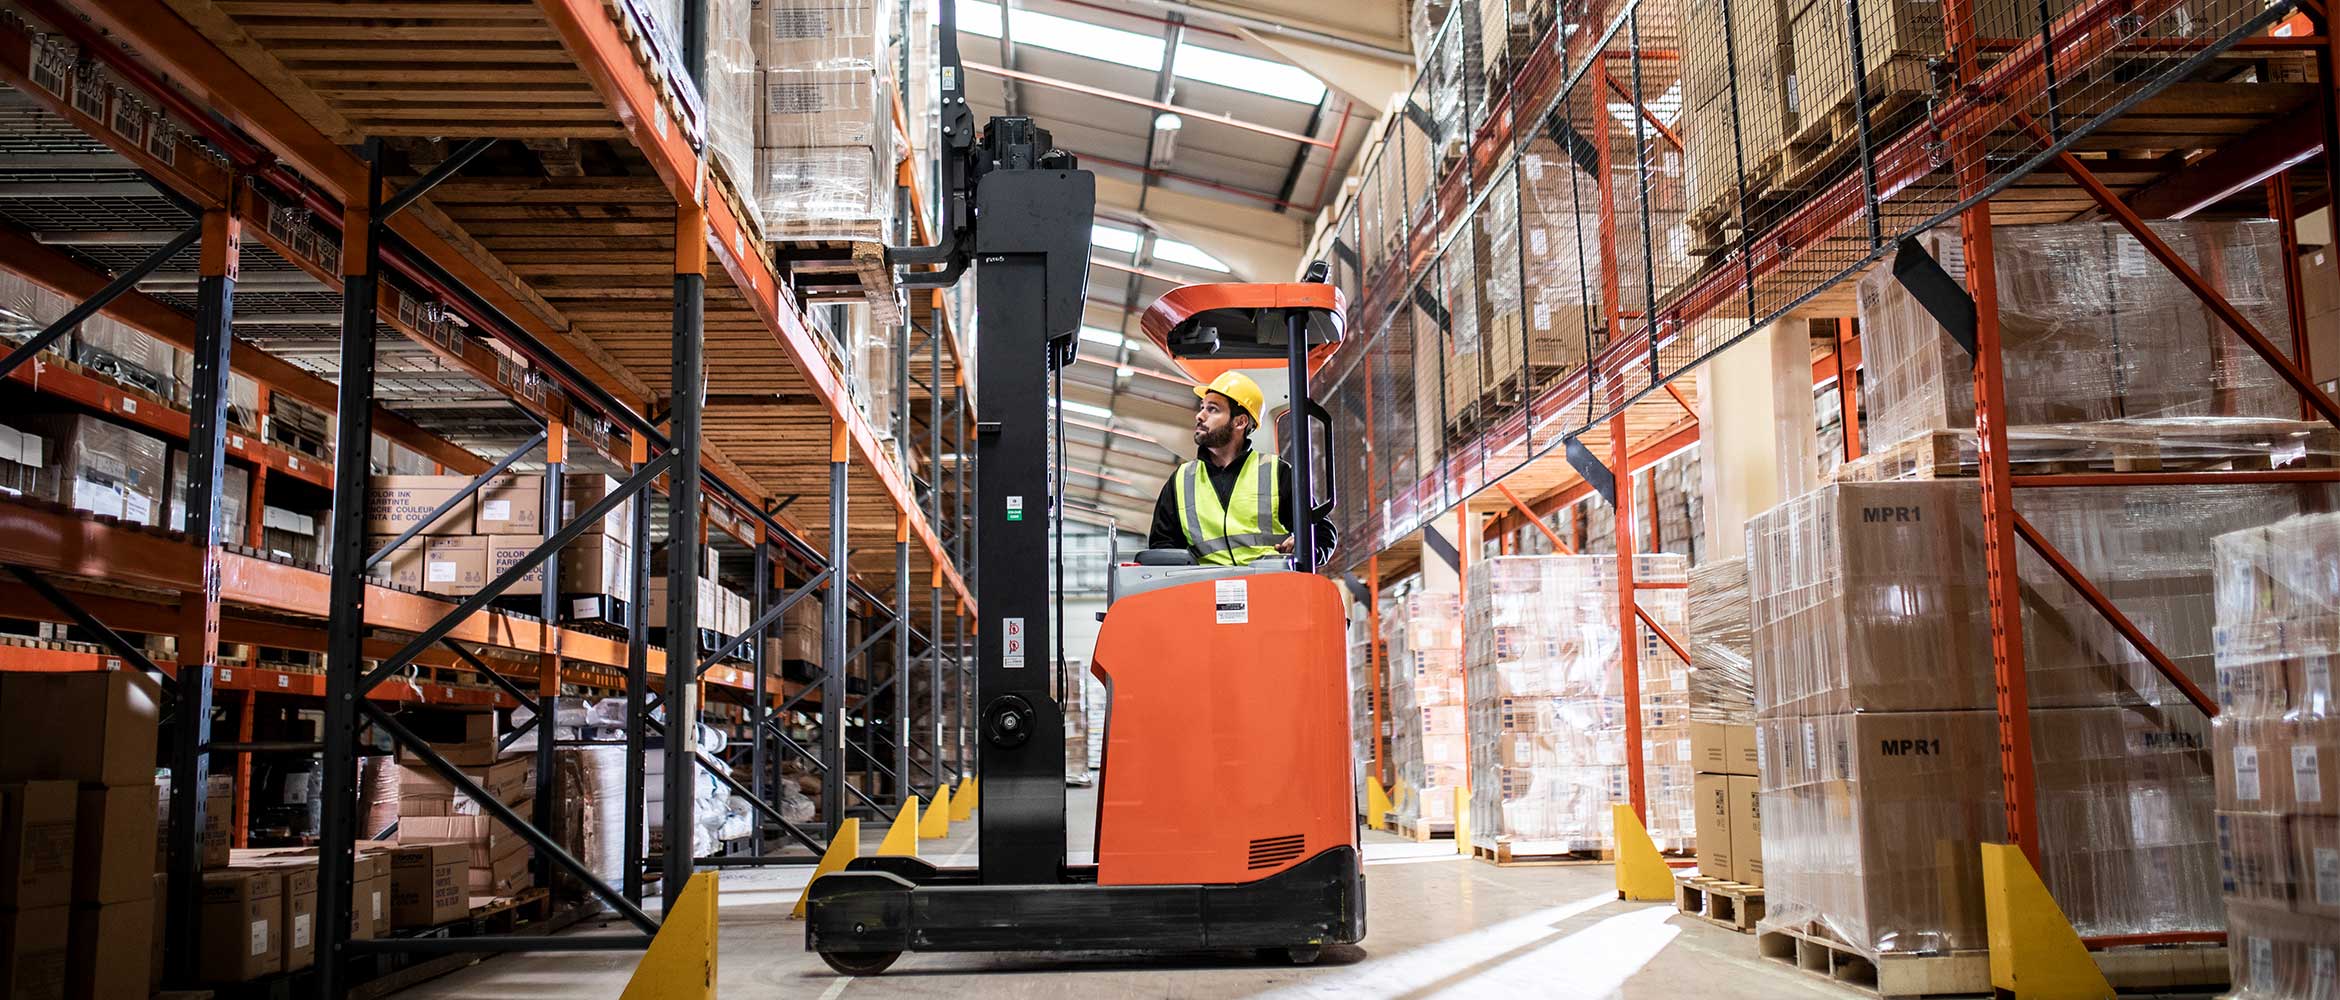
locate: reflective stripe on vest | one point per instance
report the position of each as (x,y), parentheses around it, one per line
(1231,535)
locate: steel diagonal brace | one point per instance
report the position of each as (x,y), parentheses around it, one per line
(2284,367)
(113,640)
(2113,616)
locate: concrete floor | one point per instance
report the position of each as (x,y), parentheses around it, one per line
(1438,925)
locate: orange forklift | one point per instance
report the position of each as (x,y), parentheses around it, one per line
(1226,814)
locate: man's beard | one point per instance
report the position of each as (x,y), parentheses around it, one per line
(1214,440)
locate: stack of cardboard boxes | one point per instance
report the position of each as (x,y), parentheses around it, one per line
(1428,754)
(1730,819)
(93,464)
(1545,686)
(444,831)
(77,833)
(1877,739)
(477,540)
(719,610)
(2278,786)
(824,128)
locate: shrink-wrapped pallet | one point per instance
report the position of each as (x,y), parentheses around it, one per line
(1423,635)
(1722,677)
(2278,608)
(2106,355)
(1545,683)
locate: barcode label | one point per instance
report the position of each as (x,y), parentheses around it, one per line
(2246,773)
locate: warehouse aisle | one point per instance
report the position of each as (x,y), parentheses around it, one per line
(1438,925)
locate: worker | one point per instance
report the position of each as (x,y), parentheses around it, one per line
(1230,506)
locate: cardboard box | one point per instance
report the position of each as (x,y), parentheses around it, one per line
(1722,748)
(2315,857)
(395,503)
(114,854)
(94,727)
(508,779)
(489,839)
(1746,823)
(100,466)
(504,551)
(580,491)
(403,567)
(370,910)
(455,565)
(2312,755)
(243,929)
(110,951)
(2253,762)
(801,108)
(235,493)
(501,877)
(427,884)
(598,564)
(1712,825)
(510,504)
(33,952)
(2256,860)
(299,913)
(36,844)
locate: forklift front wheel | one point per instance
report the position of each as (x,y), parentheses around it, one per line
(860,963)
(1303,954)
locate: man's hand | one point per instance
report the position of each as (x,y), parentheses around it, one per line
(1285,546)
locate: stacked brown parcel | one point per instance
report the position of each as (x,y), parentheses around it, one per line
(78,857)
(1874,672)
(2278,786)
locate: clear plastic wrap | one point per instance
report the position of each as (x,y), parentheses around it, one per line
(101,467)
(1422,633)
(2094,331)
(1546,703)
(1869,596)
(1722,669)
(835,192)
(730,94)
(823,131)
(2275,744)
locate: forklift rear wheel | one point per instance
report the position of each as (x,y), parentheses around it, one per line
(860,963)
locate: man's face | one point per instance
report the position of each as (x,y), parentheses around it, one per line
(1215,421)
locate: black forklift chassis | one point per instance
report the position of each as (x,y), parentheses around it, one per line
(862,918)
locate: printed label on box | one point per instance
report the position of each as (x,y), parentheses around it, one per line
(441,572)
(2262,964)
(2307,775)
(1234,602)
(377,904)
(301,929)
(2327,875)
(496,510)
(259,937)
(2325,971)
(2246,773)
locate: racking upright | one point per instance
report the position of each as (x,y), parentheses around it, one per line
(254,137)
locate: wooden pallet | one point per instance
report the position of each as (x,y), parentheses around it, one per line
(1552,854)
(2110,447)
(1735,905)
(1421,831)
(504,914)
(1823,141)
(1966,973)
(832,268)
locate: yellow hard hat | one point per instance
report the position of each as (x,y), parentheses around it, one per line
(1239,387)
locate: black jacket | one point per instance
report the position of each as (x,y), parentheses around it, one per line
(1169,530)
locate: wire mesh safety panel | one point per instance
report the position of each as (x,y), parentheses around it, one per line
(1581,200)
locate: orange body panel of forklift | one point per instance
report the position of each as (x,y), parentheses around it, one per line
(1227,747)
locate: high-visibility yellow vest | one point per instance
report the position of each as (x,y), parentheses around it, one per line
(1241,531)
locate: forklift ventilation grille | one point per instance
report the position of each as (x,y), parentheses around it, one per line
(1268,852)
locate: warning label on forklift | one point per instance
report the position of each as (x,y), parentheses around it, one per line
(1011,643)
(1234,601)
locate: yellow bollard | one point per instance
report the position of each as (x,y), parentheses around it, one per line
(843,847)
(902,837)
(1641,871)
(2035,953)
(680,963)
(963,804)
(1376,804)
(936,824)
(1462,820)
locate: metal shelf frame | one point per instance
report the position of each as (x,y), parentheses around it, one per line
(246,180)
